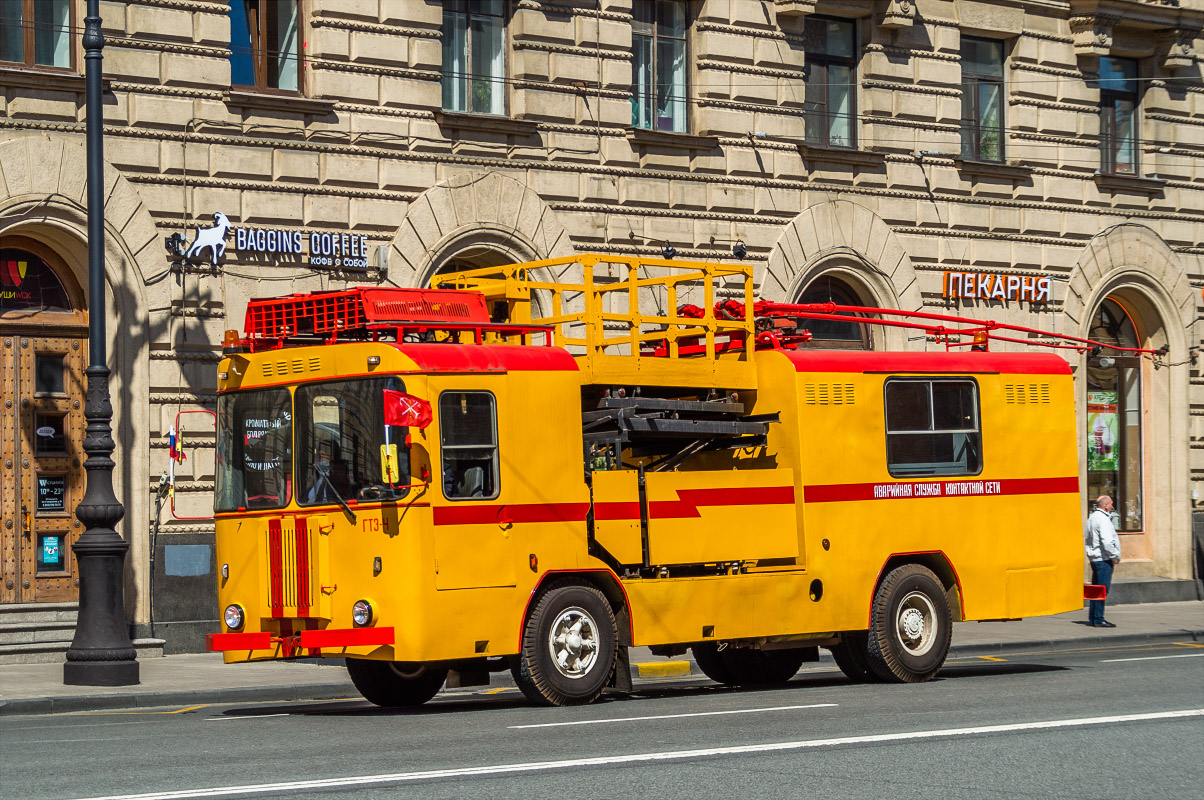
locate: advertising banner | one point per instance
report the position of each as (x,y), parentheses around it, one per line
(1102,424)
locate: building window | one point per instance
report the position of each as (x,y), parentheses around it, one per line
(830,69)
(932,427)
(1114,417)
(659,88)
(474,68)
(36,33)
(835,334)
(468,439)
(265,44)
(982,99)
(1118,115)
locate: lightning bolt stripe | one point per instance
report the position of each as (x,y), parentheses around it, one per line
(689,504)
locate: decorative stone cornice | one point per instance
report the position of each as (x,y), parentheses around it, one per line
(375,27)
(1171,25)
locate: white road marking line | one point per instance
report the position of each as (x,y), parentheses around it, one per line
(1151,658)
(672,755)
(244,716)
(670,716)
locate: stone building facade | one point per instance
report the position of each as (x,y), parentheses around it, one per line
(877,152)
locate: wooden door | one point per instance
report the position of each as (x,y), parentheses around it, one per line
(41,437)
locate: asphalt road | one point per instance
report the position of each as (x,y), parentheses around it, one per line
(1090,723)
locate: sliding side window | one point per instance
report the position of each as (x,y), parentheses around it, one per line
(932,427)
(468,439)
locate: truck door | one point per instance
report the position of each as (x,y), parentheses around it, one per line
(473,547)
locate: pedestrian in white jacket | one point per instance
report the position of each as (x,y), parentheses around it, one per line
(1103,551)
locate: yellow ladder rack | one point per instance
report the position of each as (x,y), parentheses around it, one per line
(611,311)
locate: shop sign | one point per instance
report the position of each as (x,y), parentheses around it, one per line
(338,250)
(998,286)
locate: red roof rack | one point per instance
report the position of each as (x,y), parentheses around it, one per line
(369,313)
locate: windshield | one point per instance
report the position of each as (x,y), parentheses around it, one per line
(340,436)
(254,450)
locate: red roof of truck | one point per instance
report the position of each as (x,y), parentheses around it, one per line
(939,362)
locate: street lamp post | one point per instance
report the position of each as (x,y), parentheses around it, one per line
(101,653)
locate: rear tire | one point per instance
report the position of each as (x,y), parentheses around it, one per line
(570,642)
(742,666)
(395,684)
(850,656)
(910,626)
(710,660)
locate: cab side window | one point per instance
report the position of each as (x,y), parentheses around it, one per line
(932,427)
(468,440)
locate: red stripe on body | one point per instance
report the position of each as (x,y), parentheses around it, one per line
(688,505)
(276,567)
(301,532)
(920,490)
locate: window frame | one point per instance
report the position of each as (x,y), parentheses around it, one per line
(930,380)
(29,47)
(1109,142)
(654,37)
(971,96)
(821,62)
(257,26)
(468,76)
(840,292)
(495,461)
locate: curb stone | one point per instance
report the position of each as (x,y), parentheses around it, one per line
(640,670)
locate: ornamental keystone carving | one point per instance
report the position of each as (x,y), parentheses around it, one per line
(898,14)
(794,8)
(1176,44)
(1092,37)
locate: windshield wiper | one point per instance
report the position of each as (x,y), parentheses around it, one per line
(335,492)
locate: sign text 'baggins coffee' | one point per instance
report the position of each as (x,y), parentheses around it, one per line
(341,250)
(325,249)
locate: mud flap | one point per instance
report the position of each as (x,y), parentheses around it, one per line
(621,680)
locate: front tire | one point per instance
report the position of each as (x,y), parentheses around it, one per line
(570,643)
(395,684)
(910,626)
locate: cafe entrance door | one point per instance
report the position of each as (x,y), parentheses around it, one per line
(43,353)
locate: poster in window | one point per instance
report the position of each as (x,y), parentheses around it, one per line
(50,554)
(52,493)
(1102,424)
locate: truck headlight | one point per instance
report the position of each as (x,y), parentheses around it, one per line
(234,616)
(363,613)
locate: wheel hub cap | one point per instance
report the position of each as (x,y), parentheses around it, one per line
(573,643)
(916,623)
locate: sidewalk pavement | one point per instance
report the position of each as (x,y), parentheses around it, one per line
(200,679)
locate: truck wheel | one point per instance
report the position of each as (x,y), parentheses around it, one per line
(569,647)
(742,666)
(910,626)
(764,667)
(850,656)
(393,684)
(710,659)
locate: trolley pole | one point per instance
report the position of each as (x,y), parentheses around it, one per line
(101,653)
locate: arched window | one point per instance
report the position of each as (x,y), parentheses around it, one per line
(28,284)
(1114,416)
(833,334)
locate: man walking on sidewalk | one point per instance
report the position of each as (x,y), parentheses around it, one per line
(1103,551)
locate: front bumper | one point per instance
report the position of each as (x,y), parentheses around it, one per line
(304,640)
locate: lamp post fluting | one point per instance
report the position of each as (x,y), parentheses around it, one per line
(101,653)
